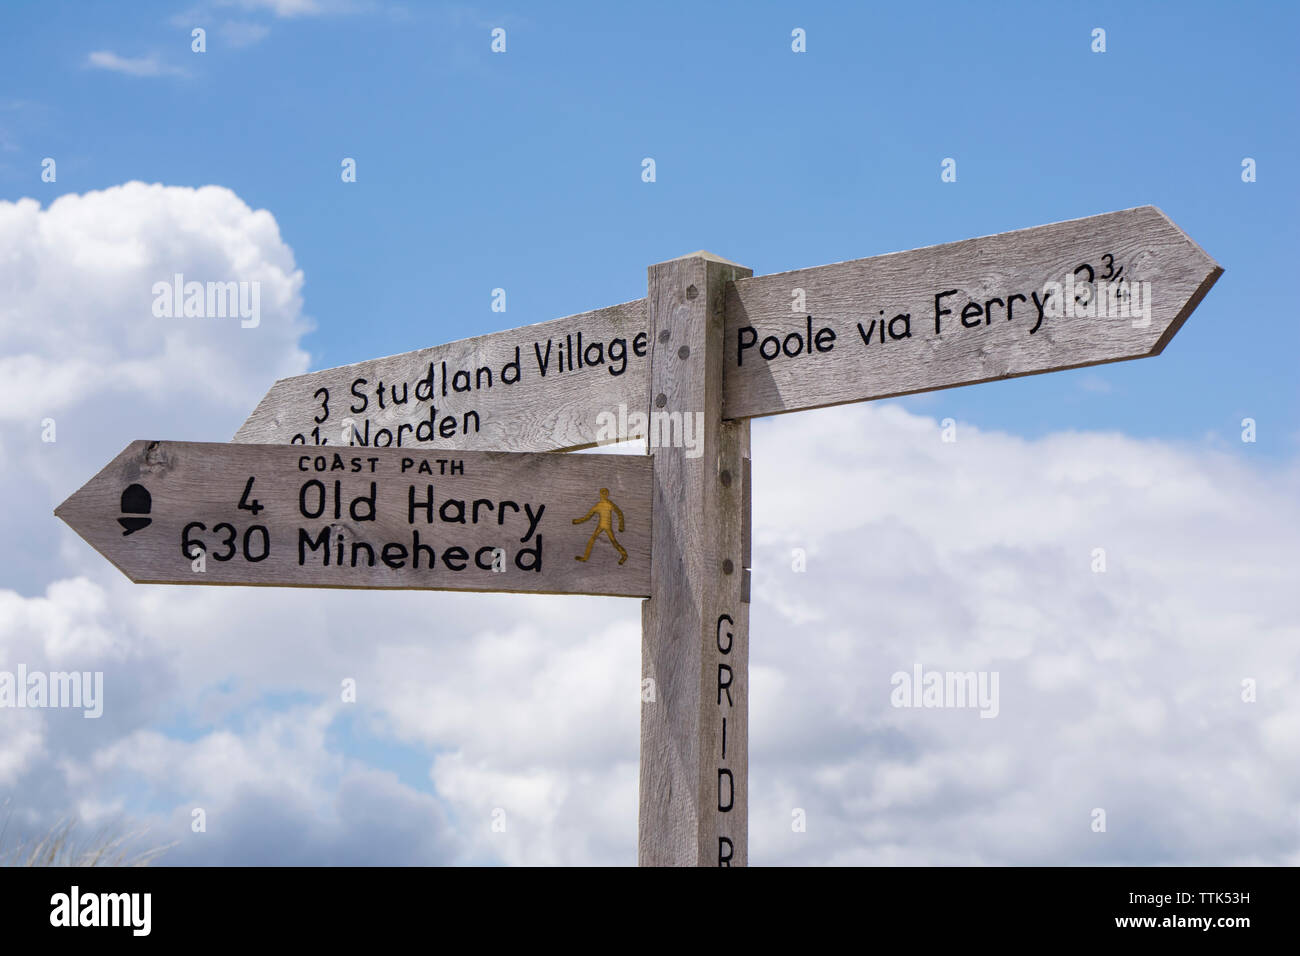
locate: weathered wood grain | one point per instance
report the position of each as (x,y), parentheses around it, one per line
(981,347)
(554,404)
(524,504)
(695,627)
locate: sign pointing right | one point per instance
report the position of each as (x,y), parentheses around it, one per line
(1083,292)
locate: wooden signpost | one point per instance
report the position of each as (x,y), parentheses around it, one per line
(192,513)
(340,470)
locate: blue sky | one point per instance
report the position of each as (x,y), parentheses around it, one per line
(522,170)
(479,170)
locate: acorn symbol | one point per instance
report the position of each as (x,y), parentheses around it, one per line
(135,501)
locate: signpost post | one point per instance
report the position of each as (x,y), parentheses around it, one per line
(343,473)
(695,627)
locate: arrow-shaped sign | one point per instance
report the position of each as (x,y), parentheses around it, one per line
(194,513)
(545,387)
(1102,289)
(1083,292)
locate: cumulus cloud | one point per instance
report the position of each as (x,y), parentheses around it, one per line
(83,359)
(1119,689)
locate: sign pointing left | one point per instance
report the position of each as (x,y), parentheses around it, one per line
(199,513)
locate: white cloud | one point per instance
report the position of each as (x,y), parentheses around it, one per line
(238,33)
(288,9)
(1119,690)
(131,66)
(245,33)
(21,741)
(79,343)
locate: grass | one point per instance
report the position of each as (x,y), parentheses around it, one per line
(63,845)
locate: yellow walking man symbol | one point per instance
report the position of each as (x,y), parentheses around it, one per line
(603,509)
